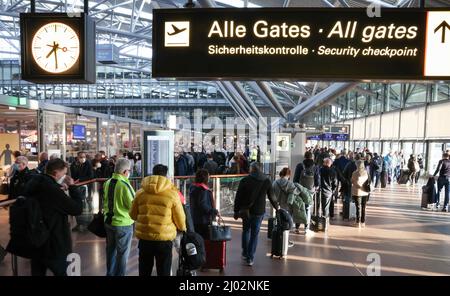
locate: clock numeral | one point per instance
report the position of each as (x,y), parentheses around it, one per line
(65,30)
(72,37)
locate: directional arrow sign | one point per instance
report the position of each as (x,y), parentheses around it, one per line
(437,50)
(443,27)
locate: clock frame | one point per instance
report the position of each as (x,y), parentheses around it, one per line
(83,71)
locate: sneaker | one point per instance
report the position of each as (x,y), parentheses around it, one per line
(444,210)
(297,231)
(291,244)
(249,262)
(363,225)
(308,231)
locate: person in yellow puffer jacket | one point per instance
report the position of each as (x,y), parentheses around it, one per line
(158,213)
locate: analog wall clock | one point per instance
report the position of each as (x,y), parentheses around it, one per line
(57,48)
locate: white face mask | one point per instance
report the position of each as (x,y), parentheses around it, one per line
(98,165)
(61,180)
(82,160)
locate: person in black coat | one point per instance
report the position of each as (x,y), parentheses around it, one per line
(251,194)
(20,178)
(202,205)
(308,162)
(81,170)
(56,206)
(328,184)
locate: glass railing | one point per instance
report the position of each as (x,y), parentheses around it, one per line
(224,188)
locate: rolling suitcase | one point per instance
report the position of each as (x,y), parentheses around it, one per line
(425,197)
(318,223)
(383,179)
(270,223)
(216,255)
(280,240)
(404,176)
(352,211)
(280,243)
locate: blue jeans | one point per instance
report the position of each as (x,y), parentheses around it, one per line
(443,182)
(118,245)
(250,233)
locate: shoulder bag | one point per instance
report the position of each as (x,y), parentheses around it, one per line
(219,232)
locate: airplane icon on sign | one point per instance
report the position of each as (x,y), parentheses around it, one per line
(176,30)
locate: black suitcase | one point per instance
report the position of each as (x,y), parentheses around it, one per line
(280,241)
(318,223)
(425,197)
(270,223)
(383,179)
(404,176)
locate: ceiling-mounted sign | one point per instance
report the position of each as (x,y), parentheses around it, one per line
(296,43)
(57,48)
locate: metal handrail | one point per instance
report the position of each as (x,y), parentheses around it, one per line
(211,176)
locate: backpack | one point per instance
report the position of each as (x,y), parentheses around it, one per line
(307,177)
(27,227)
(192,253)
(284,219)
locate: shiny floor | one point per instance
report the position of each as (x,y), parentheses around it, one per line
(404,239)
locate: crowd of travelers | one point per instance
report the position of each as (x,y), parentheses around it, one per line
(156,213)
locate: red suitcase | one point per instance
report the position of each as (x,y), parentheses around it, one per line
(216,255)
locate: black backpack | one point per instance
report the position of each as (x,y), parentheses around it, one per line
(28,229)
(193,254)
(284,219)
(307,177)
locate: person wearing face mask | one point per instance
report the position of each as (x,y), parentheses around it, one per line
(56,206)
(81,170)
(20,178)
(118,197)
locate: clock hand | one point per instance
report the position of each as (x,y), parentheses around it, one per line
(51,51)
(56,60)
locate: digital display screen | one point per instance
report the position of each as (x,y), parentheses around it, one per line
(79,132)
(315,137)
(341,137)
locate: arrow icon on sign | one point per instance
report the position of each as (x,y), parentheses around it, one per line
(443,26)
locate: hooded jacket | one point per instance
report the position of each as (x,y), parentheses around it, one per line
(358,180)
(157,210)
(252,191)
(282,188)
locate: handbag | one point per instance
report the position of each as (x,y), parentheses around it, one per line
(219,232)
(367,187)
(97,225)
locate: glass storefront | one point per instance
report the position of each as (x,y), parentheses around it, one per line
(81,134)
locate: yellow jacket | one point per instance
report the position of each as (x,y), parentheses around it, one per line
(157,210)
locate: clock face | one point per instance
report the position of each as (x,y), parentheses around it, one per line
(55,47)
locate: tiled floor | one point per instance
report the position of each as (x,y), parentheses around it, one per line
(406,239)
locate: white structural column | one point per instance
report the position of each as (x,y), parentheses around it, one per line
(298,149)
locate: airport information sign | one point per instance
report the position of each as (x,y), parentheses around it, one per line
(297,43)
